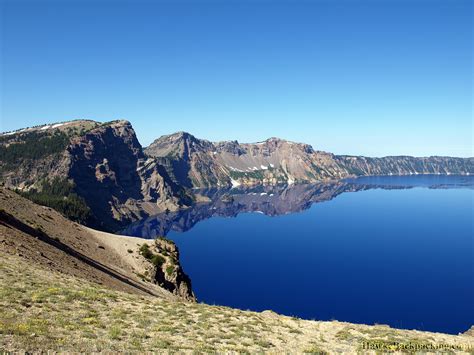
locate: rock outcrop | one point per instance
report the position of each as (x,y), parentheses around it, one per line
(165,269)
(104,164)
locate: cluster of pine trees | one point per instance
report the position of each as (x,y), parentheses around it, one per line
(59,195)
(32,145)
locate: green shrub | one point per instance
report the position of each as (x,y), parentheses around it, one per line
(146,252)
(157,260)
(170,269)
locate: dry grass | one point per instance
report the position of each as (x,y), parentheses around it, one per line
(42,310)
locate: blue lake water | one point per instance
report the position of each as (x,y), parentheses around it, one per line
(387,250)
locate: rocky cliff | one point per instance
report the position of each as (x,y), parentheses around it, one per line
(116,179)
(199,163)
(165,269)
(102,165)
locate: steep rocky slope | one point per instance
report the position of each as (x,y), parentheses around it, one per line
(107,180)
(45,238)
(199,163)
(405,165)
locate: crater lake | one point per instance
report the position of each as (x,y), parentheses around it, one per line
(394,250)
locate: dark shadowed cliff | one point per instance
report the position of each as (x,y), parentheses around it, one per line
(106,179)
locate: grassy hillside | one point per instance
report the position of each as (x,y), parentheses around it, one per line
(44,310)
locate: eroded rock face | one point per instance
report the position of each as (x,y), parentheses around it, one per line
(199,163)
(406,165)
(117,180)
(189,161)
(104,163)
(104,169)
(167,271)
(192,162)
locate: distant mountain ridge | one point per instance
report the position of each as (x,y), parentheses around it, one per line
(99,174)
(198,163)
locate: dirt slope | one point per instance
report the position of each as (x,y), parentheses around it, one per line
(44,238)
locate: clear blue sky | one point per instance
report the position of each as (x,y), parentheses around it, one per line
(347,76)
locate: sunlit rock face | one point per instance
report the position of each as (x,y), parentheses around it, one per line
(198,163)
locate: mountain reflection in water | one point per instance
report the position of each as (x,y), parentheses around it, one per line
(278,200)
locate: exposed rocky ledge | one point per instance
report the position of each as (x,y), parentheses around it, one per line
(165,269)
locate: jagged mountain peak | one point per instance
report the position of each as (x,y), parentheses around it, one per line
(180,135)
(178,144)
(173,138)
(183,136)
